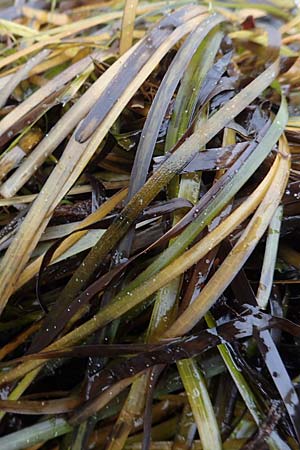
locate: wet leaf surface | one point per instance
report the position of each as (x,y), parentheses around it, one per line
(150,192)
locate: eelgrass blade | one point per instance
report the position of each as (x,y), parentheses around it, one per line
(21,75)
(138,177)
(56,134)
(166,299)
(267,347)
(57,34)
(161,102)
(53,85)
(161,177)
(69,168)
(236,258)
(136,60)
(266,278)
(128,25)
(39,432)
(33,407)
(177,262)
(194,383)
(186,430)
(239,254)
(275,441)
(118,307)
(93,261)
(175,351)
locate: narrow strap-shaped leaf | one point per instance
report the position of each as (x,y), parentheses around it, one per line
(180,349)
(149,44)
(54,427)
(266,278)
(176,161)
(128,25)
(52,86)
(141,165)
(205,54)
(58,406)
(161,102)
(21,75)
(73,161)
(120,305)
(194,383)
(165,173)
(212,204)
(235,260)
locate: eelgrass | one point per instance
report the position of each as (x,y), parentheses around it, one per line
(90,96)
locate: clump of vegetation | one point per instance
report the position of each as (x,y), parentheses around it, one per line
(149,195)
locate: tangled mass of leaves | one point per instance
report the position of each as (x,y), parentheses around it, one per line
(150,215)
